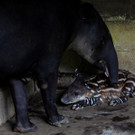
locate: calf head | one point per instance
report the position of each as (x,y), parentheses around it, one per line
(78,90)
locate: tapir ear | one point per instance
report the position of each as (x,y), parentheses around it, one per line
(86,10)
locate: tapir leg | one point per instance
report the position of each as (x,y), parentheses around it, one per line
(47,82)
(18,91)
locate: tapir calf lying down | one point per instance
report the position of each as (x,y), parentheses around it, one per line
(94,90)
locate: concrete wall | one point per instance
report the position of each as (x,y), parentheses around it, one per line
(119,15)
(123,34)
(6,102)
(6,105)
(119,10)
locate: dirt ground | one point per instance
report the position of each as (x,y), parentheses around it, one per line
(98,120)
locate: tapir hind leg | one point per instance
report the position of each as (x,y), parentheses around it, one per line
(18,91)
(47,82)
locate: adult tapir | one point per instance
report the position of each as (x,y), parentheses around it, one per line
(33,37)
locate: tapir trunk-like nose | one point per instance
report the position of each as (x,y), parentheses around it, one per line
(112,65)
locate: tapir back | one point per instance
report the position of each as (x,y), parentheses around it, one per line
(28,33)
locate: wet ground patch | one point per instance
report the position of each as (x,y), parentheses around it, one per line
(107,108)
(58,133)
(120,118)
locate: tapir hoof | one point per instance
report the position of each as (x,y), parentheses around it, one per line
(20,129)
(61,120)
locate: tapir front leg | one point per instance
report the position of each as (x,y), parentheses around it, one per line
(18,91)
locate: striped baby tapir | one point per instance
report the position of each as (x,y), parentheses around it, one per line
(94,90)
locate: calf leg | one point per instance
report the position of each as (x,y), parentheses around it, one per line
(87,102)
(23,123)
(118,101)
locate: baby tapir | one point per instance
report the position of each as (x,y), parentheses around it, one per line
(94,90)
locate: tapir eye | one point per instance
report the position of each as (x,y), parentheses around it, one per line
(76,93)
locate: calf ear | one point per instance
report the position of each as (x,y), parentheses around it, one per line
(87,11)
(77,73)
